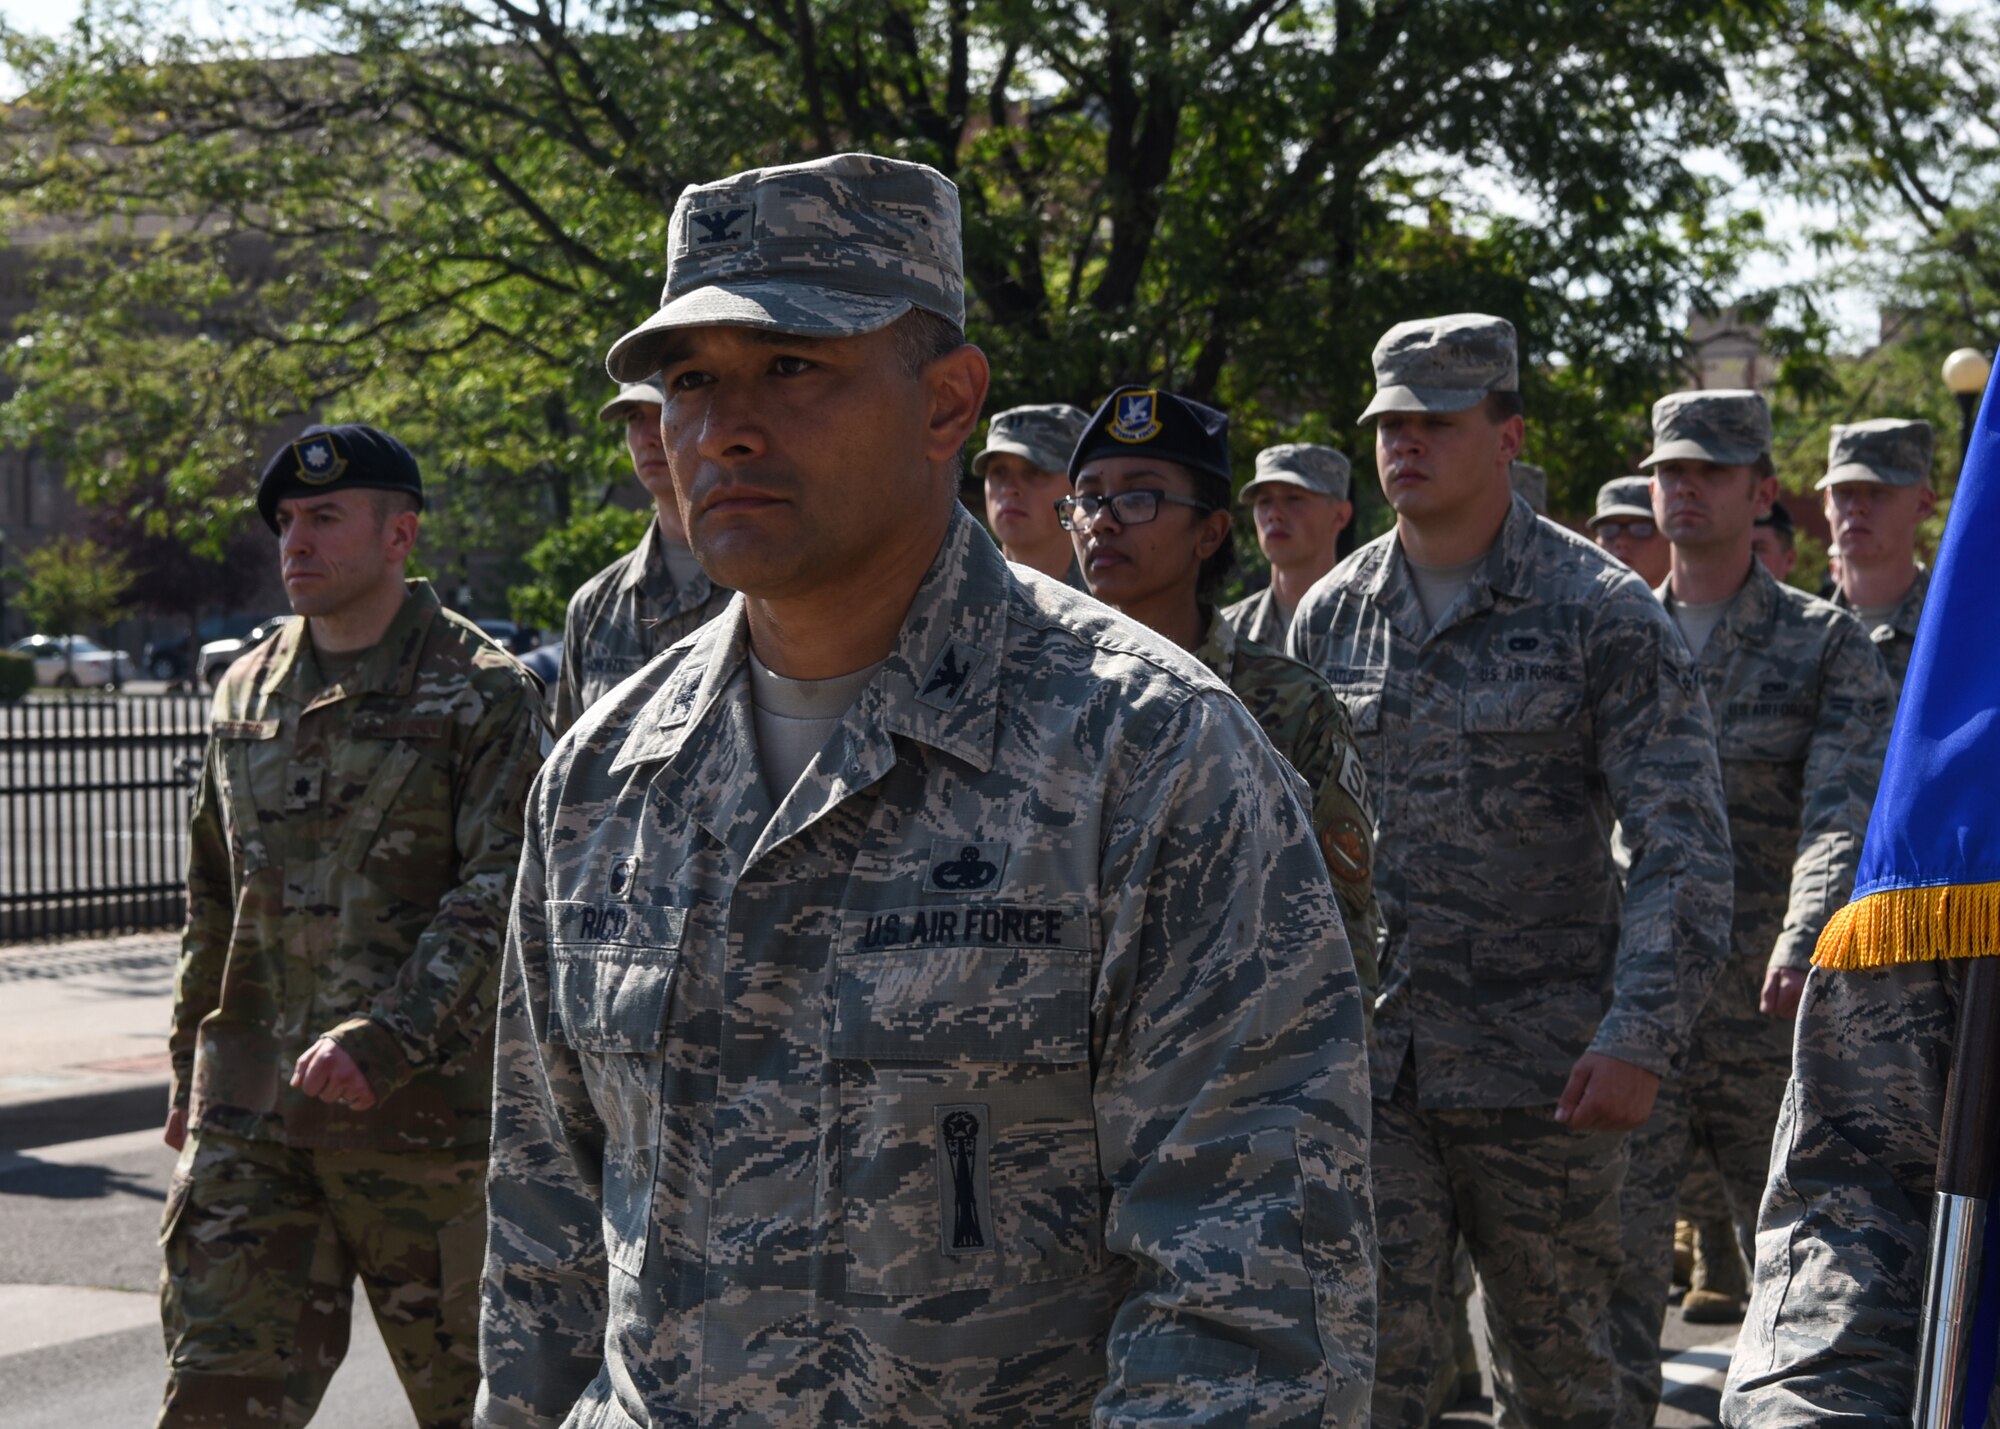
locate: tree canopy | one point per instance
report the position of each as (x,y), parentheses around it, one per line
(436,217)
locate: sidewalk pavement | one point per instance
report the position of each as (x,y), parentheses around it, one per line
(83,1034)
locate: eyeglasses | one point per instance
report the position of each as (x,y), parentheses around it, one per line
(1128,508)
(1634,530)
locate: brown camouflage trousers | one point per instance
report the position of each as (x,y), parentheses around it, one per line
(262,1243)
(1538,1207)
(1723,1109)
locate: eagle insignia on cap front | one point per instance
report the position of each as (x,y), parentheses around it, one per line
(319,459)
(1138,416)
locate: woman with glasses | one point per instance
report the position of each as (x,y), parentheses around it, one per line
(1149,515)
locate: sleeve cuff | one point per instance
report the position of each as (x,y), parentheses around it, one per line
(1642,1041)
(1794,951)
(377,1052)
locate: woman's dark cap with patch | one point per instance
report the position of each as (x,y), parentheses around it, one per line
(1144,421)
(340,458)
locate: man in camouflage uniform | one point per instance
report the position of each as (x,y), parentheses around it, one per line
(1623,525)
(1878,491)
(1801,707)
(1514,691)
(1299,500)
(353,850)
(649,597)
(1831,1336)
(1158,555)
(925,999)
(1024,471)
(1774,541)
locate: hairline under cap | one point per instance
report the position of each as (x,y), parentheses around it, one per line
(625,363)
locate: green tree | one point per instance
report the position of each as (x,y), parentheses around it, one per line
(567,557)
(68,587)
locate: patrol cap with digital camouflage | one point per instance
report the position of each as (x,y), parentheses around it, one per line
(633,394)
(831,248)
(1447,364)
(1531,484)
(1729,426)
(1306,465)
(339,458)
(1624,498)
(1043,436)
(1894,451)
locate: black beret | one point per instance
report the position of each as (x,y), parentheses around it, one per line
(1144,421)
(1778,519)
(337,459)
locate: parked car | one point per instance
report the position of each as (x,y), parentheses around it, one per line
(173,657)
(544,662)
(74,661)
(518,639)
(219,655)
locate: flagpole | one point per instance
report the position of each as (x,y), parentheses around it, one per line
(1965,1183)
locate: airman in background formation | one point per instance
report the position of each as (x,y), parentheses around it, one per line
(1774,541)
(1801,704)
(925,999)
(1514,691)
(1877,492)
(354,843)
(1024,472)
(1623,525)
(646,599)
(1300,500)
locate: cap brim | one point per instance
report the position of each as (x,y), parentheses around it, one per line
(618,409)
(1852,471)
(1620,513)
(1007,448)
(1689,450)
(1286,478)
(1422,399)
(806,309)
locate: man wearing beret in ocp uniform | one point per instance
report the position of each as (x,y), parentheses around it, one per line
(1878,491)
(1024,469)
(1801,709)
(1299,500)
(925,1001)
(352,855)
(1150,520)
(1514,691)
(649,597)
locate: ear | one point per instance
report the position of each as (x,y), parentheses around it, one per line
(399,536)
(1926,502)
(1343,513)
(1764,495)
(1513,436)
(1214,530)
(955,385)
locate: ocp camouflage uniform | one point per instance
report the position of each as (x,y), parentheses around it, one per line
(1007,1072)
(1842,1242)
(1551,697)
(1895,638)
(1310,727)
(1257,619)
(352,854)
(622,617)
(1802,711)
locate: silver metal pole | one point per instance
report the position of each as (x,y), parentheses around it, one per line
(1958,1236)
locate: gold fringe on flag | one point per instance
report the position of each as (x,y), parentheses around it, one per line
(1912,925)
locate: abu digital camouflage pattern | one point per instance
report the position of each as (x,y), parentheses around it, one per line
(1043,436)
(1842,1242)
(350,863)
(1896,638)
(1552,698)
(649,392)
(1447,364)
(1801,706)
(1320,470)
(1259,618)
(625,615)
(1727,426)
(1008,1072)
(1310,727)
(1893,451)
(1531,484)
(835,247)
(262,1244)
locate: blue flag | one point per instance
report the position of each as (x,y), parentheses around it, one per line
(1929,881)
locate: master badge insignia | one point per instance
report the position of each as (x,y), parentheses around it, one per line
(1138,416)
(319,459)
(960,867)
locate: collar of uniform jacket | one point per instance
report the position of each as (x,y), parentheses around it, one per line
(1752,616)
(1909,610)
(648,568)
(1509,568)
(939,685)
(1218,647)
(390,669)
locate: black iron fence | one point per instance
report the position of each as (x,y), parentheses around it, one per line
(94,797)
